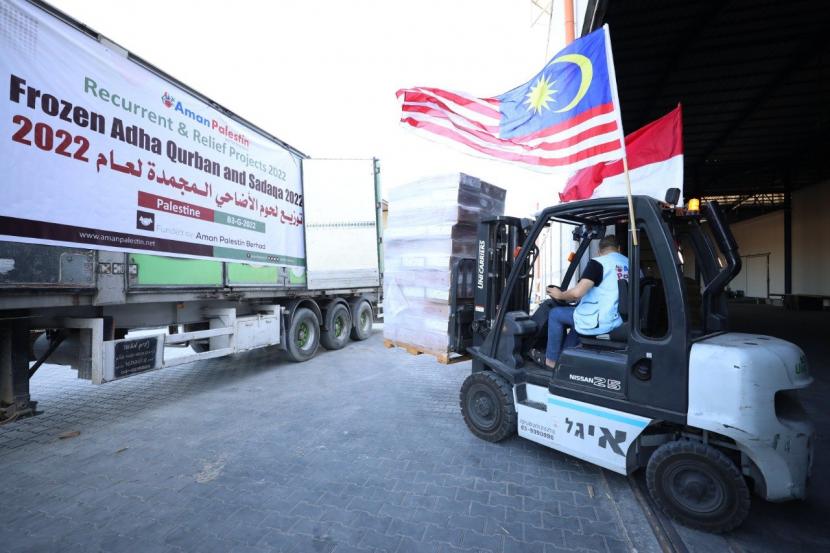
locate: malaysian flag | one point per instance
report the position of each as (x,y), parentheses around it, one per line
(566,116)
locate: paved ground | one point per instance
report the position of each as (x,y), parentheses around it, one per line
(358,450)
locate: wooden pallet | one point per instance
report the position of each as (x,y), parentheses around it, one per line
(443,357)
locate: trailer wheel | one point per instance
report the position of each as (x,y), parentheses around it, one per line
(338,327)
(698,486)
(361,321)
(303,335)
(199,346)
(487,406)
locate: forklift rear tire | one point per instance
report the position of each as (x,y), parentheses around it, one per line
(338,326)
(487,406)
(698,486)
(303,335)
(361,321)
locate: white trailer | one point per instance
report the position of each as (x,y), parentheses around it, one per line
(131,201)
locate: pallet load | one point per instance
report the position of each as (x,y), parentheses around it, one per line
(432,224)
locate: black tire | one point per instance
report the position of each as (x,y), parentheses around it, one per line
(487,406)
(361,321)
(303,335)
(199,346)
(338,327)
(698,486)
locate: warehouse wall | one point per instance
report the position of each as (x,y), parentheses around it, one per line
(811,240)
(757,238)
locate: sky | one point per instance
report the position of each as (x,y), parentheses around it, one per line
(322,74)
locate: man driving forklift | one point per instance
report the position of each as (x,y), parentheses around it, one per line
(598,295)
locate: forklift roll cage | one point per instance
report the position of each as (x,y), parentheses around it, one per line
(650,374)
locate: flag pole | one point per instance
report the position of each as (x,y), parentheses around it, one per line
(632,218)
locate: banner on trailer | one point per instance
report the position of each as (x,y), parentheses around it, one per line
(99,152)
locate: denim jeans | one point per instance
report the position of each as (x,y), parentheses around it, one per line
(560,319)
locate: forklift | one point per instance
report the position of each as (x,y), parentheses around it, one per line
(710,414)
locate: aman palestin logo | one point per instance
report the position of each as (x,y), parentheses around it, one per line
(167,100)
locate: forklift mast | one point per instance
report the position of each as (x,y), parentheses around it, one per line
(498,242)
(478,284)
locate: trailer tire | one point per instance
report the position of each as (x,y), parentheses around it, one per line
(487,406)
(698,486)
(199,346)
(303,335)
(338,327)
(361,321)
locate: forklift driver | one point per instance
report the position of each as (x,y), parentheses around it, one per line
(598,295)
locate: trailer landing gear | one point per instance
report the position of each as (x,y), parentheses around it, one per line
(14,373)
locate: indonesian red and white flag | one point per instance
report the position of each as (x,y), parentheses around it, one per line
(655,164)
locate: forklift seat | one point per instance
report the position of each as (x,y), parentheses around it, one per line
(617,338)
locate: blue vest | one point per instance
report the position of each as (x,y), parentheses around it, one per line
(598,312)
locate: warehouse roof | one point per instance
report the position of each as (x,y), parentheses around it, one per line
(753,77)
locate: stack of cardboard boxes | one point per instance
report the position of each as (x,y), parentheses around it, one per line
(432,224)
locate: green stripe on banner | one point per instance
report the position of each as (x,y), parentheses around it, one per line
(244,273)
(239,222)
(597,412)
(258,257)
(156,270)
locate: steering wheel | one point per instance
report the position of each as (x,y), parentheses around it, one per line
(559,303)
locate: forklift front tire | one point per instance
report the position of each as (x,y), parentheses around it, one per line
(487,406)
(698,486)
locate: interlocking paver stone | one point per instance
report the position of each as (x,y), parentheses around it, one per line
(358,450)
(482,542)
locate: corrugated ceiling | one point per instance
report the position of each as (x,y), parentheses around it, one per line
(752,76)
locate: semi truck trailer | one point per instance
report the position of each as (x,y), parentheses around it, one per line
(131,201)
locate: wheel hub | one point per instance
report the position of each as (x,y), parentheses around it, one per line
(483,407)
(696,490)
(302,335)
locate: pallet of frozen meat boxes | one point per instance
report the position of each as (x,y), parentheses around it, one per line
(432,224)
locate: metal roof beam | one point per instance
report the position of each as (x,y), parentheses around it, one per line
(799,57)
(689,37)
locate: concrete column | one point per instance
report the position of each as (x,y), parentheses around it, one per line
(788,243)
